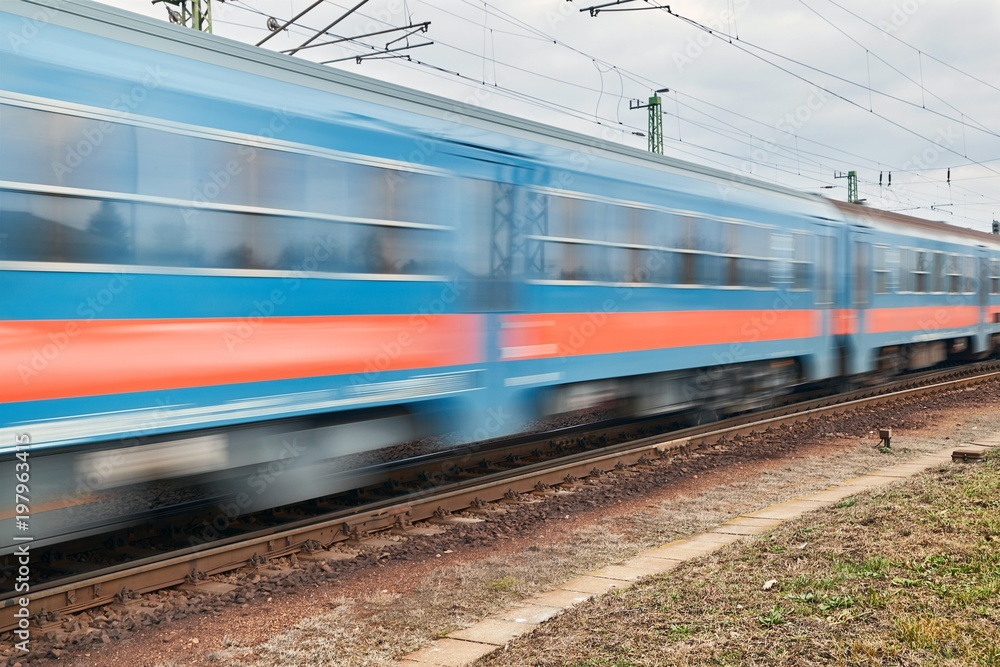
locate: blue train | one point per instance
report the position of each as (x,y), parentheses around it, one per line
(218,261)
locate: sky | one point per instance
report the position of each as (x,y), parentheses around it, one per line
(793,92)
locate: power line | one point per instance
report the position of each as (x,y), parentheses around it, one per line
(532,33)
(724,37)
(919,51)
(897,70)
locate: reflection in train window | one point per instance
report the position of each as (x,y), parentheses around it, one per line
(655,266)
(70,151)
(574,261)
(686,237)
(41,228)
(85,230)
(938,272)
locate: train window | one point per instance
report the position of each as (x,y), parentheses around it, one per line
(953,272)
(411,251)
(922,272)
(573,218)
(801,266)
(40,228)
(686,236)
(755,266)
(70,151)
(280,179)
(480,205)
(885,265)
(621,224)
(561,217)
(827,269)
(747,260)
(995,277)
(103,231)
(969,271)
(790,264)
(654,228)
(164,236)
(782,246)
(687,263)
(420,198)
(938,272)
(574,261)
(703,234)
(620,264)
(906,263)
(709,240)
(861,264)
(730,260)
(654,266)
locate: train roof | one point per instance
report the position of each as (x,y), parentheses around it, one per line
(895,222)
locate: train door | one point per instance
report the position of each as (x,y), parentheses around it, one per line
(859,358)
(826,271)
(982,341)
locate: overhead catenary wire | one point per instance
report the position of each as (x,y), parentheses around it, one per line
(725,38)
(868,52)
(889,34)
(779,152)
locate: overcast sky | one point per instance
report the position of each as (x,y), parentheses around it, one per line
(729,105)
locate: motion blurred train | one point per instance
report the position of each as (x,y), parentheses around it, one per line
(216,261)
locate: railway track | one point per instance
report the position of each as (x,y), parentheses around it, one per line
(432,487)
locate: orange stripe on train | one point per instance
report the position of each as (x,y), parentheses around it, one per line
(845,322)
(43,359)
(920,318)
(566,334)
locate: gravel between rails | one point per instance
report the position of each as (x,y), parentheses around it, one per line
(393,598)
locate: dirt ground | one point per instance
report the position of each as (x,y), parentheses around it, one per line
(396,597)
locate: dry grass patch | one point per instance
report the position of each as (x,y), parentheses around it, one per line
(908,575)
(376,630)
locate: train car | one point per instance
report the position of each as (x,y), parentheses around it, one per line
(922,293)
(218,261)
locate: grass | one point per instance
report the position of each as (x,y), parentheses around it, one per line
(908,575)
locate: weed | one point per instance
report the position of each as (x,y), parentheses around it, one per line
(772,618)
(838,602)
